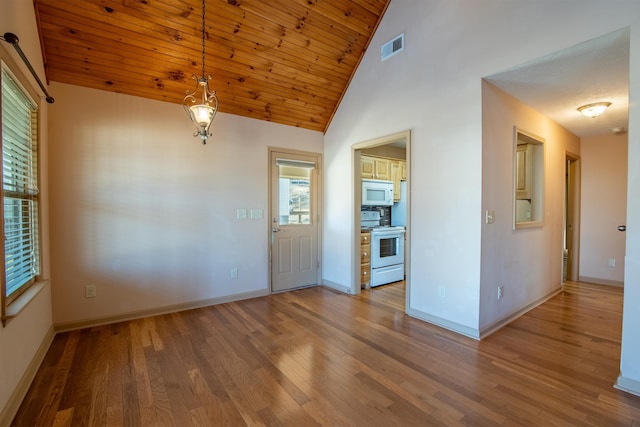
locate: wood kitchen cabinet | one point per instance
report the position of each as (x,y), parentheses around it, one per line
(383,169)
(396,176)
(375,168)
(367,167)
(365,258)
(523,172)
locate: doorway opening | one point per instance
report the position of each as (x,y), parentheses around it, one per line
(571,234)
(386,160)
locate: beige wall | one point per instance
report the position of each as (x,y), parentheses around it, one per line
(603,208)
(526,262)
(144,211)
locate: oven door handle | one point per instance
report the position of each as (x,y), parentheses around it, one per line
(385,234)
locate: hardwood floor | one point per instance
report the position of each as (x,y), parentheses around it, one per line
(315,357)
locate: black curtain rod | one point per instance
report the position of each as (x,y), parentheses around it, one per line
(13,40)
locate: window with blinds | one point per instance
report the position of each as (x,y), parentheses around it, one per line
(19,188)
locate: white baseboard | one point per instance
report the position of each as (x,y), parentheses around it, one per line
(444,323)
(491,328)
(598,281)
(64,327)
(11,408)
(336,286)
(628,385)
(484,332)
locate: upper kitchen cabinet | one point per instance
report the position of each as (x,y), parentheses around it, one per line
(367,167)
(528,180)
(396,177)
(375,168)
(523,171)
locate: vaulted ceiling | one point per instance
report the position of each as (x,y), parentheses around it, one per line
(285,61)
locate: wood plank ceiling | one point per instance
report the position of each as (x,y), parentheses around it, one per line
(285,61)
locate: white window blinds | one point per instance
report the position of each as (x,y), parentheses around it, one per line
(19,185)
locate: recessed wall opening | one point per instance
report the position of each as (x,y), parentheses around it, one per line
(528,180)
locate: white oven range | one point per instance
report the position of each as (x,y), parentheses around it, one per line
(387,255)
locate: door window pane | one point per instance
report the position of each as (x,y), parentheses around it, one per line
(294,190)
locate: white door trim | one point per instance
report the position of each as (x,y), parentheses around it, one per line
(357,204)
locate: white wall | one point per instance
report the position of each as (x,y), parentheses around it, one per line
(23,336)
(630,366)
(603,208)
(145,212)
(398,94)
(434,89)
(526,262)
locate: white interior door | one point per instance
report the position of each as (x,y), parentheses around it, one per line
(294,220)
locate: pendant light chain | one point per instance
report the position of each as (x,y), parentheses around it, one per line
(203,33)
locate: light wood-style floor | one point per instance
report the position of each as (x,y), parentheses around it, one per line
(315,357)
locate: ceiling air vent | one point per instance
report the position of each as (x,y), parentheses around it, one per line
(392,47)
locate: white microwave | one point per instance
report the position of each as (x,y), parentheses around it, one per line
(377,192)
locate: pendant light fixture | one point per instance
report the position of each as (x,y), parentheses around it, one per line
(201,110)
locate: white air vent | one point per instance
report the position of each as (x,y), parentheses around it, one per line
(392,47)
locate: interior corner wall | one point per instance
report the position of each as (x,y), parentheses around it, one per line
(147,213)
(603,208)
(526,262)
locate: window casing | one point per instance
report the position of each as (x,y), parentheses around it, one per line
(20,195)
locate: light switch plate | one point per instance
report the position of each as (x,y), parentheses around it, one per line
(488,217)
(241,214)
(90,291)
(256,213)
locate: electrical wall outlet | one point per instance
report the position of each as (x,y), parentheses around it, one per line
(500,290)
(234,273)
(441,292)
(90,291)
(612,262)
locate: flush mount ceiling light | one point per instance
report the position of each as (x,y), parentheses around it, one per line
(202,113)
(595,109)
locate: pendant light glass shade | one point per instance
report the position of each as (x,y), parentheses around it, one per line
(202,115)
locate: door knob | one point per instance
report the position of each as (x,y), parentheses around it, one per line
(622,228)
(275,229)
